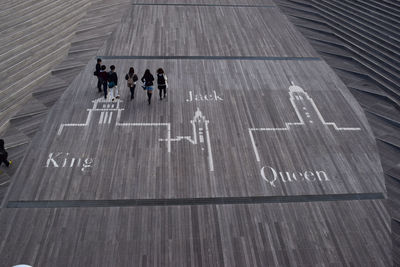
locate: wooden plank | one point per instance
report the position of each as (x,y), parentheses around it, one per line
(304,234)
(222,31)
(209,2)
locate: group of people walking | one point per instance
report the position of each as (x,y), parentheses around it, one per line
(107,82)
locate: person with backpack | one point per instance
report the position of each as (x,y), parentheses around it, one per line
(97,73)
(113,83)
(104,78)
(162,83)
(148,79)
(131,78)
(4,154)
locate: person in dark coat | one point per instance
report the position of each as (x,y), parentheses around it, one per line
(148,79)
(4,154)
(162,83)
(104,77)
(113,83)
(97,73)
(131,78)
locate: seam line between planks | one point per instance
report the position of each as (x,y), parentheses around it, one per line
(193,201)
(214,58)
(201,5)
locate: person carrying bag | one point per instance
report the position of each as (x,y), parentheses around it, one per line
(148,79)
(131,79)
(162,83)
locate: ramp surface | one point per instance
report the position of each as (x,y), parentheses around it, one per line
(258,156)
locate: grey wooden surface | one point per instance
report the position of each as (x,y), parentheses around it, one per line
(34,76)
(370,83)
(35,37)
(206,31)
(302,234)
(208,2)
(131,162)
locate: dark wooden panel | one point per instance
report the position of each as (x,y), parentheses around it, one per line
(206,31)
(207,2)
(301,234)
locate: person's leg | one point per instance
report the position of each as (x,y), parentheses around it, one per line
(99,84)
(160,91)
(5,161)
(165,91)
(105,89)
(149,96)
(132,89)
(116,90)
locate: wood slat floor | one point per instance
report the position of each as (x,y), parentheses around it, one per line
(208,2)
(206,31)
(279,124)
(130,161)
(302,234)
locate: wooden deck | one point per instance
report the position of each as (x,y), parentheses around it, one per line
(354,233)
(130,161)
(206,31)
(252,117)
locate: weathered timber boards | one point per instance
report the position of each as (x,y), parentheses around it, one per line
(226,126)
(206,2)
(130,161)
(192,201)
(206,31)
(302,234)
(212,58)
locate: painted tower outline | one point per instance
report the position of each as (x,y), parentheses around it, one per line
(307,112)
(201,135)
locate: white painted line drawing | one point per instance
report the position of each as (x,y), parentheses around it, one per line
(303,104)
(107,108)
(199,127)
(167,124)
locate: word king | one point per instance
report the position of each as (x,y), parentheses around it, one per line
(65,160)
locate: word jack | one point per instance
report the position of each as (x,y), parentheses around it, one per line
(304,106)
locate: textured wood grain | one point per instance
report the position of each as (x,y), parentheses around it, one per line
(209,2)
(130,162)
(206,31)
(303,234)
(35,36)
